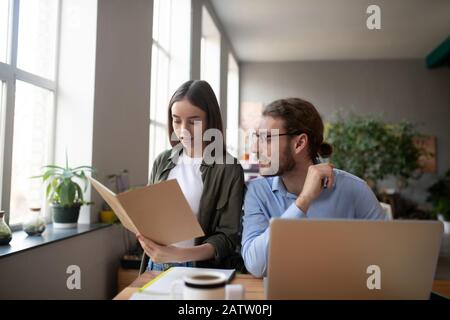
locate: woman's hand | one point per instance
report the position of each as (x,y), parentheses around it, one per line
(160,253)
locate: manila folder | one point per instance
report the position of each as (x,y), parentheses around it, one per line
(159,212)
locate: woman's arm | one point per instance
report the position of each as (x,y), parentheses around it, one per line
(226,235)
(166,254)
(197,253)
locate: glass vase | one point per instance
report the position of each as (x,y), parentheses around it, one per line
(34,223)
(5,231)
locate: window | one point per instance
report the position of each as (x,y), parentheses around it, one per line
(210,53)
(4,24)
(233,106)
(170,65)
(37,37)
(28,41)
(31,149)
(2,131)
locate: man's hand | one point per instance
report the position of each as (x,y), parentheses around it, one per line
(314,183)
(159,253)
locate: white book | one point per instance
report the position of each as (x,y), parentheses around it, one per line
(161,286)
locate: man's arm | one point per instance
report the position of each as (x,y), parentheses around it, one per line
(255,235)
(367,205)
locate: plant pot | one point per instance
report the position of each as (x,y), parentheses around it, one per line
(107,216)
(445,222)
(65,217)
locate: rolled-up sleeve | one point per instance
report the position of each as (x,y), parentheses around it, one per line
(293,212)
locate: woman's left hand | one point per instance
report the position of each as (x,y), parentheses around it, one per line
(160,253)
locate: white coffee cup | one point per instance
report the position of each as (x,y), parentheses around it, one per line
(208,285)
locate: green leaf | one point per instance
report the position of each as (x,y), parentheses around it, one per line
(85,180)
(52,166)
(67,161)
(65,193)
(87,168)
(55,182)
(79,192)
(59,193)
(71,193)
(47,175)
(48,190)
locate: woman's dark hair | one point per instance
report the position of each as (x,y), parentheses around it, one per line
(200,94)
(301,116)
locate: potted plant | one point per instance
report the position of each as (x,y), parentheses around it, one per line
(373,149)
(439,196)
(64,192)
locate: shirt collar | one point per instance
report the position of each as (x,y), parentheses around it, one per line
(178,149)
(278,185)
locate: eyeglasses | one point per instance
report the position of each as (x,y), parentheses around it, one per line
(265,137)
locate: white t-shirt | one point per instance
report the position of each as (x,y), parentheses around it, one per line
(188,175)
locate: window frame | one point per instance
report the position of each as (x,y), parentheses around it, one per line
(233,69)
(9,74)
(166,52)
(153,122)
(211,38)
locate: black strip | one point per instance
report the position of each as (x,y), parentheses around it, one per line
(205,286)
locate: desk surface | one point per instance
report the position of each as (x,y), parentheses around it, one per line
(253,286)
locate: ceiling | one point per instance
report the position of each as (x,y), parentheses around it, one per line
(293,30)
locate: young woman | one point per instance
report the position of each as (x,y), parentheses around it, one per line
(212,184)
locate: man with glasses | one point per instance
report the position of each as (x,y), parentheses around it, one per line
(294,182)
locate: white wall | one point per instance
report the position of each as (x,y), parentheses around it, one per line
(122,90)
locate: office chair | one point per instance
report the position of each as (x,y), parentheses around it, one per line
(387,209)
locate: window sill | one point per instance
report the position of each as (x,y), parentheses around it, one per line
(21,241)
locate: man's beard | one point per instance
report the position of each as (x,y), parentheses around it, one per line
(286,164)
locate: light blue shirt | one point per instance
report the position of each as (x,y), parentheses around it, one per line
(266,198)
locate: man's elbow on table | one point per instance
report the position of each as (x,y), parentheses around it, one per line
(257,267)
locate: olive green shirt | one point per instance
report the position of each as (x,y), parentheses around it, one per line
(220,209)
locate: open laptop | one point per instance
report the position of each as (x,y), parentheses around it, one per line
(352,259)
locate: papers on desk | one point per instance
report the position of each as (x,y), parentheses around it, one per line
(160,287)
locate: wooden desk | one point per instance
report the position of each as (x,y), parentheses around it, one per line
(253,287)
(125,277)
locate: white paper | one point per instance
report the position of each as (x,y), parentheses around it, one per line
(163,285)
